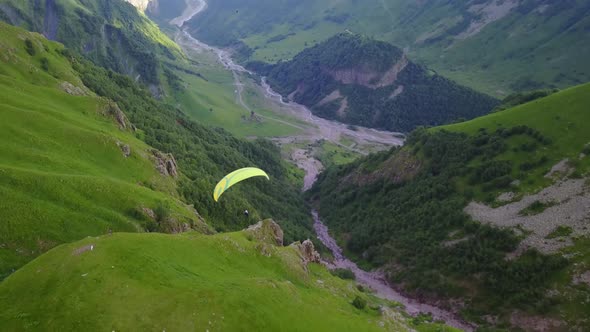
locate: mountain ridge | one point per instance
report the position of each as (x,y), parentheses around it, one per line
(360,81)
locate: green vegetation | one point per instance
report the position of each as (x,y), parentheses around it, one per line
(205,156)
(181,282)
(520,98)
(113,34)
(359,302)
(561,119)
(536,208)
(535,45)
(355,69)
(65,175)
(345,274)
(560,231)
(207,95)
(412,217)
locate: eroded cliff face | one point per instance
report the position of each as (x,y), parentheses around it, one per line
(140,4)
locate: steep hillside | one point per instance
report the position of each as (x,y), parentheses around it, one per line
(365,82)
(111,33)
(493,212)
(226,282)
(69,159)
(494,46)
(76,160)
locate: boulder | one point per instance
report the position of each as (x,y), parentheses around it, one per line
(71,89)
(125,148)
(307,252)
(165,163)
(267,231)
(114,111)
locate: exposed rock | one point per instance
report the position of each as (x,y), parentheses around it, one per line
(368,77)
(125,148)
(506,197)
(307,252)
(165,163)
(583,278)
(149,212)
(560,170)
(142,5)
(114,111)
(568,205)
(398,91)
(83,249)
(71,89)
(535,323)
(267,231)
(486,13)
(173,226)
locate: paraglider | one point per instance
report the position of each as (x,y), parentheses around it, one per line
(235,177)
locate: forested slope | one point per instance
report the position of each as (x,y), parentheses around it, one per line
(407,211)
(361,81)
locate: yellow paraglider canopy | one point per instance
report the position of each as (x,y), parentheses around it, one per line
(235,177)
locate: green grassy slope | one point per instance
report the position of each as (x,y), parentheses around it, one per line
(225,282)
(404,209)
(207,93)
(66,174)
(561,117)
(113,34)
(537,44)
(62,174)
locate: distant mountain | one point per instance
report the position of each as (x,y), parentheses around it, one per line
(361,81)
(490,213)
(495,46)
(112,33)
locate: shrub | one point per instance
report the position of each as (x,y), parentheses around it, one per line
(162,211)
(345,274)
(45,64)
(359,303)
(29,47)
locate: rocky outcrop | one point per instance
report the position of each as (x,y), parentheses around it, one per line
(142,5)
(567,204)
(71,89)
(125,148)
(165,163)
(368,77)
(266,231)
(113,110)
(307,252)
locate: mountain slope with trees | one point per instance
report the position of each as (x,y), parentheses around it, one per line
(113,33)
(407,211)
(493,46)
(84,147)
(360,81)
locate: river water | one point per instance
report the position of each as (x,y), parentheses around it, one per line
(332,131)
